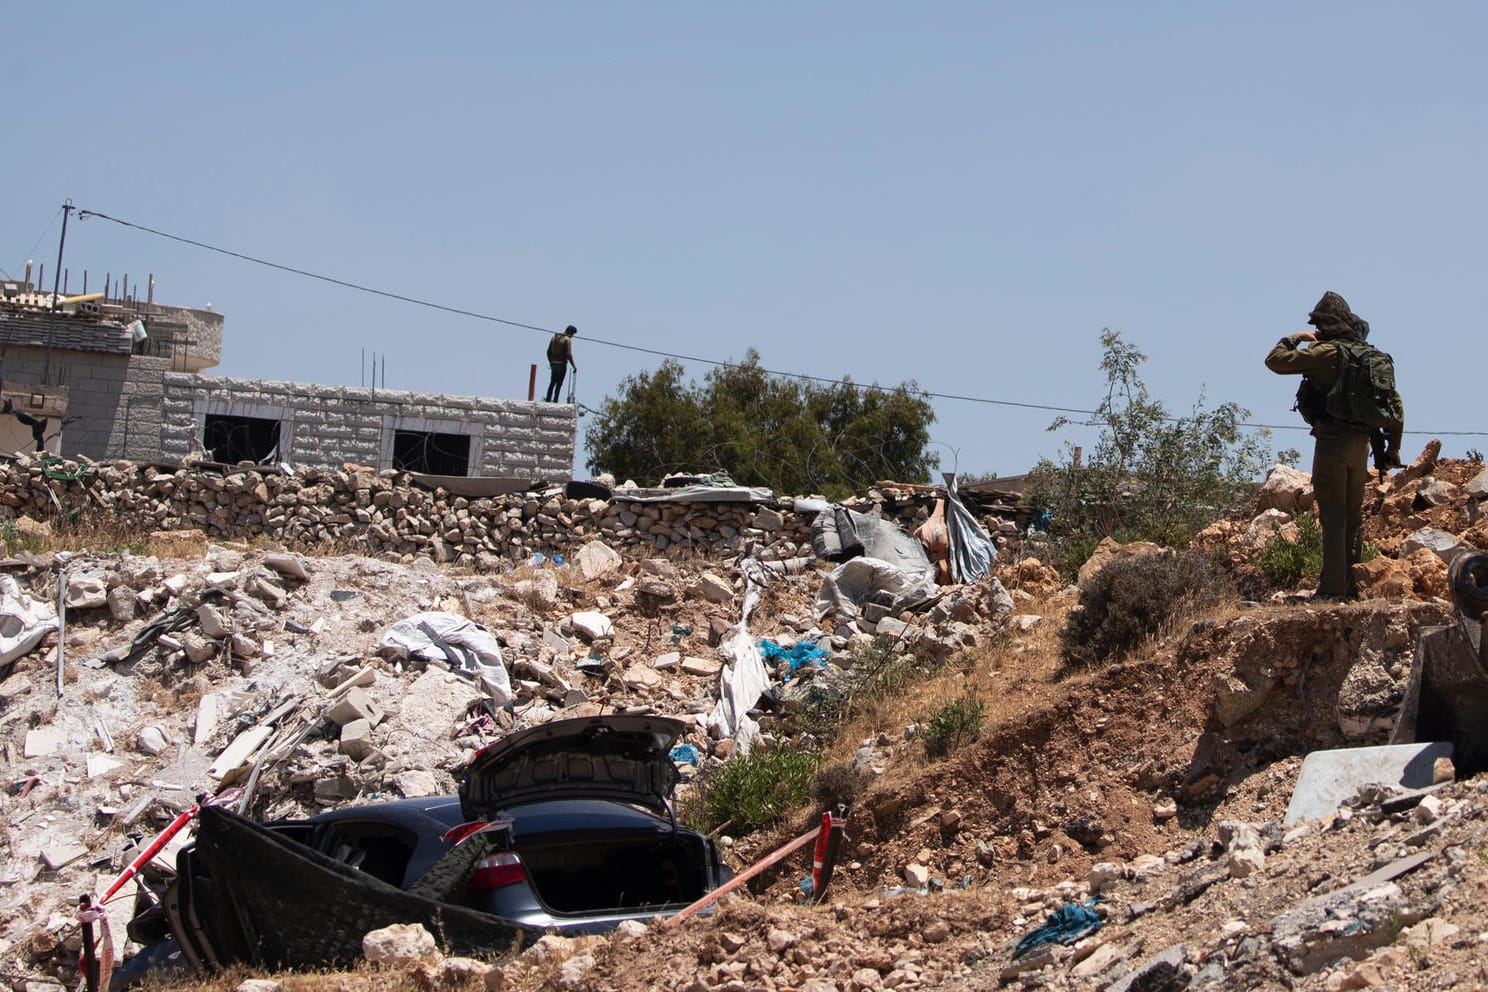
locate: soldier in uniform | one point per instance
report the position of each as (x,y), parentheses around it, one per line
(1340,457)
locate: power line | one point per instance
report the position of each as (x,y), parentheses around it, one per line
(32,253)
(476,315)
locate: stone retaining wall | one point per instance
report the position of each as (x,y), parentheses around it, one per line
(383,514)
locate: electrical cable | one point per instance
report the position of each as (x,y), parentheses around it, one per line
(32,253)
(476,315)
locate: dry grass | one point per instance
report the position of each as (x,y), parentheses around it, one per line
(1004,676)
(89,531)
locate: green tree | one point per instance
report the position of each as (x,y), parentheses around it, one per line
(791,435)
(1151,476)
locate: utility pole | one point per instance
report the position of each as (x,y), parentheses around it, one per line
(46,368)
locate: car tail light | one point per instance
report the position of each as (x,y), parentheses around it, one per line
(497,872)
(456,834)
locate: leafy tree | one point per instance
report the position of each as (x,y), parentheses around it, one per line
(1151,476)
(791,435)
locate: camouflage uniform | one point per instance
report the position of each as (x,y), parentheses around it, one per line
(1340,456)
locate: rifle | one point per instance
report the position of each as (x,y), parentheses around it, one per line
(1382,461)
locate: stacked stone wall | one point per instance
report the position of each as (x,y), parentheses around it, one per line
(383,514)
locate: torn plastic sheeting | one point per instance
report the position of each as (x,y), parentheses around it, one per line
(864,580)
(840,534)
(801,653)
(744,678)
(23,621)
(466,646)
(972,552)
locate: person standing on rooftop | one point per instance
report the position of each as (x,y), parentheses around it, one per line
(560,357)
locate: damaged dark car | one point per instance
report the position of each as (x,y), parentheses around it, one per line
(566,827)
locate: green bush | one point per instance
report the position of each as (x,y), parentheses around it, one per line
(1130,599)
(1284,562)
(757,789)
(955,724)
(1150,475)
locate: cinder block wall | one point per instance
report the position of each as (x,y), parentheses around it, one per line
(324,426)
(113,408)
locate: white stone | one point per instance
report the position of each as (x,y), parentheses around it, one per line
(152,741)
(701,666)
(713,588)
(401,943)
(1429,810)
(1103,873)
(85,592)
(257,985)
(590,624)
(596,560)
(1286,489)
(416,782)
(572,971)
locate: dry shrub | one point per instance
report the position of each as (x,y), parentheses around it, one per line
(1132,599)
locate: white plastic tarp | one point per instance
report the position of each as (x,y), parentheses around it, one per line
(744,679)
(23,621)
(466,646)
(864,580)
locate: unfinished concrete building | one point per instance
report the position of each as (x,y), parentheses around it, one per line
(106,375)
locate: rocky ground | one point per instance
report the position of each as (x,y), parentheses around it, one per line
(1159,785)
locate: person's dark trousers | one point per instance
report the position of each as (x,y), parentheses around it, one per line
(1340,468)
(555,384)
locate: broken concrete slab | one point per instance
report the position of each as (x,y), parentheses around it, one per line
(42,741)
(1327,778)
(61,852)
(207,716)
(101,764)
(239,751)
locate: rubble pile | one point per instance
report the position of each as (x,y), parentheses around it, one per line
(1150,793)
(279,674)
(1380,895)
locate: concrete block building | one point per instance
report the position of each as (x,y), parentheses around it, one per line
(111,378)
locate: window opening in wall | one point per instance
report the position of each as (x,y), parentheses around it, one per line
(431,453)
(240,439)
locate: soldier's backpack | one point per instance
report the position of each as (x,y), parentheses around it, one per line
(1362,396)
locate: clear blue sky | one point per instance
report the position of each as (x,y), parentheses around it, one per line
(958,194)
